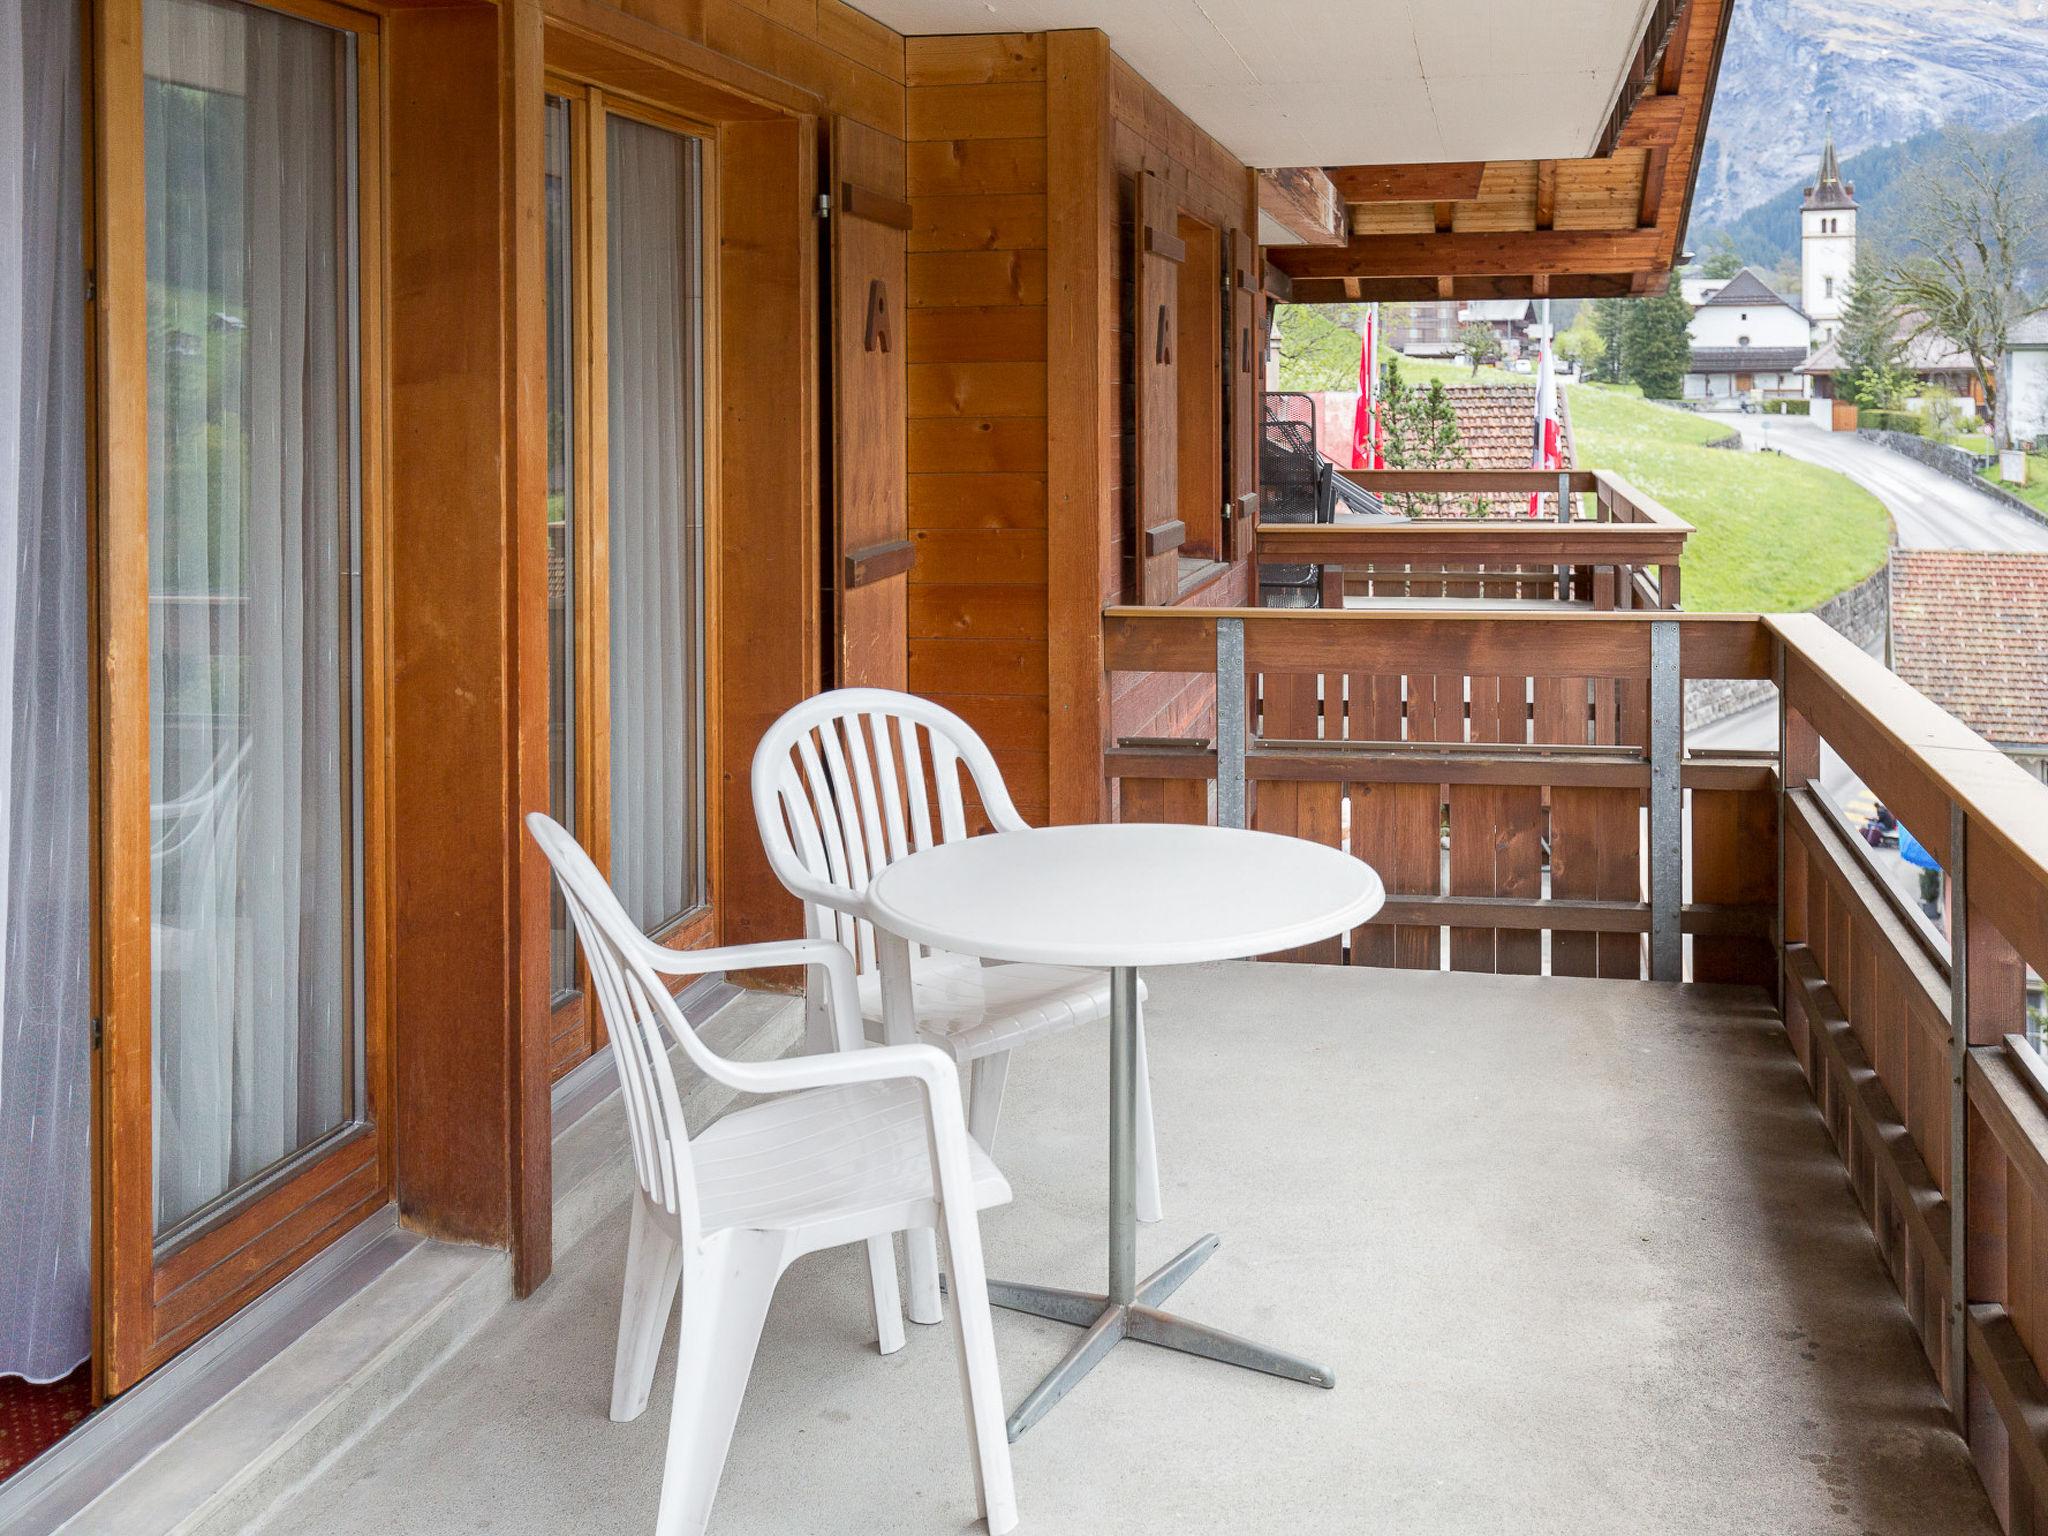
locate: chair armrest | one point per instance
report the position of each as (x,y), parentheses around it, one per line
(842,994)
(877,1063)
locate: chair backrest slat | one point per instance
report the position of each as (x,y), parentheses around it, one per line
(859,778)
(642,1019)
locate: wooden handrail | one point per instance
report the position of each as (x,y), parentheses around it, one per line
(1490,641)
(1538,542)
(1918,758)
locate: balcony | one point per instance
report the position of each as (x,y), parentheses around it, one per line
(1580,1252)
(1537,1160)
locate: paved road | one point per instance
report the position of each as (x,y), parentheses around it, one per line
(1930,510)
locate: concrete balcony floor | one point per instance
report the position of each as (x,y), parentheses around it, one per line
(1581,1255)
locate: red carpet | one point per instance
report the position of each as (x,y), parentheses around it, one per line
(34,1418)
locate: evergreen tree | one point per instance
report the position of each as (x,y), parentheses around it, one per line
(1420,426)
(1869,338)
(1656,345)
(1724,260)
(1609,316)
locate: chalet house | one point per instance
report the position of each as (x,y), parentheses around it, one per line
(2023,375)
(1746,339)
(421,415)
(1509,319)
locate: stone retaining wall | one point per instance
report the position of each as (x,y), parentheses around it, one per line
(1957,463)
(1860,615)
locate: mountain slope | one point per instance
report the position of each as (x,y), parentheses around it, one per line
(1767,235)
(1879,70)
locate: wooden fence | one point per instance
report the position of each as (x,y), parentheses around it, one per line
(1612,547)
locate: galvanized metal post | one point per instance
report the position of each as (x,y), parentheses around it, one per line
(1667,840)
(1230,723)
(1564,515)
(1958,1111)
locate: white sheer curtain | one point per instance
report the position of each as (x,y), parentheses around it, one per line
(653,300)
(45,996)
(251,416)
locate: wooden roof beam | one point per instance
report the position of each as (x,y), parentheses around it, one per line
(1472,254)
(1650,206)
(1546,193)
(1451,181)
(1409,290)
(1302,201)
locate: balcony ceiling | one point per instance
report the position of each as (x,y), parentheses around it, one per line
(1346,82)
(1427,149)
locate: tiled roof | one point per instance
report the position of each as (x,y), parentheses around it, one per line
(1970,630)
(1496,424)
(1746,287)
(2030,331)
(1747,359)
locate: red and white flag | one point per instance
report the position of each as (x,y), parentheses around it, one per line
(1366,442)
(1547,436)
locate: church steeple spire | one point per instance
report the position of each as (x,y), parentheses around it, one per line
(1830,191)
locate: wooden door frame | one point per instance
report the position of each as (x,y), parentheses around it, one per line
(151,1299)
(576,1026)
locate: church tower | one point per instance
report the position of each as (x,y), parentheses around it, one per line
(1827,247)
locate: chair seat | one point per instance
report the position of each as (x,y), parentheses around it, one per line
(973,1010)
(826,1155)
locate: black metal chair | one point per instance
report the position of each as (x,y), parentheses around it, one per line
(1296,485)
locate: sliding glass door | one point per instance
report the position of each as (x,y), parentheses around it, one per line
(240,831)
(249,151)
(626,515)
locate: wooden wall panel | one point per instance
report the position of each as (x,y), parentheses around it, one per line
(870,383)
(978,396)
(766,642)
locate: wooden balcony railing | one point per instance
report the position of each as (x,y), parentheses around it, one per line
(1519,779)
(1598,540)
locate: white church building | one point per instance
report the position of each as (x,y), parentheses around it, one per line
(1749,340)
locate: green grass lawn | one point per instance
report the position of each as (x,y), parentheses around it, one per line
(1420,370)
(1773,535)
(2036,488)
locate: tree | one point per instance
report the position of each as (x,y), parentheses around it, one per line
(1657,347)
(1583,347)
(1479,343)
(1318,346)
(1869,338)
(1609,323)
(1723,261)
(1971,217)
(1420,427)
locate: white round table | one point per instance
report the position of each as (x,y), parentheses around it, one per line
(1121,897)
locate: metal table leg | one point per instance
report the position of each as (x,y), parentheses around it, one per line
(1130,1310)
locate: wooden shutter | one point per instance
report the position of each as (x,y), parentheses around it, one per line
(871,551)
(1245,364)
(1157,529)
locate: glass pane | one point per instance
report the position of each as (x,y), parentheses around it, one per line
(561,552)
(655,530)
(248,153)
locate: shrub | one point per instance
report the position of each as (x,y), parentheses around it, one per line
(1908,422)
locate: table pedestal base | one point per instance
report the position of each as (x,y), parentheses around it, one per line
(1108,1323)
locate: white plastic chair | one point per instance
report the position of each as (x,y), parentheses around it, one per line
(846,1153)
(841,791)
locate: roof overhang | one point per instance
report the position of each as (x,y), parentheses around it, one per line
(1454,149)
(1602,224)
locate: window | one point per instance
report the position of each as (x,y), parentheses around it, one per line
(1828,286)
(625,513)
(1742,341)
(249,161)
